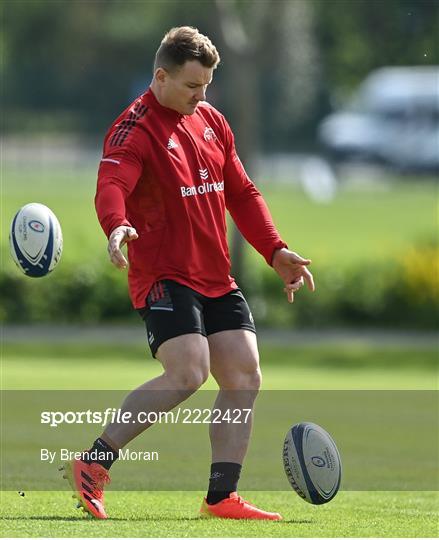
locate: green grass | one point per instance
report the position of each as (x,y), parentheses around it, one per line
(379,222)
(174,514)
(98,366)
(360,225)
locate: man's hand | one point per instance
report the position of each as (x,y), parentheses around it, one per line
(118,238)
(293,271)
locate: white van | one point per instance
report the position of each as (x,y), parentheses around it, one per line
(393,118)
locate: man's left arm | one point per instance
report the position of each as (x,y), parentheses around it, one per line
(252,217)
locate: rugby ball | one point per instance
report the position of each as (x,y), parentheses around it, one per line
(312,463)
(35,240)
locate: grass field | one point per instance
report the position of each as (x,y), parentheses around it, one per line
(80,366)
(362,223)
(174,514)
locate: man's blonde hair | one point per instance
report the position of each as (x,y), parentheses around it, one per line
(185,43)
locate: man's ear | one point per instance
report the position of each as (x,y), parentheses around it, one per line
(160,75)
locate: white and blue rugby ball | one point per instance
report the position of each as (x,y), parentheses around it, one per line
(35,240)
(312,463)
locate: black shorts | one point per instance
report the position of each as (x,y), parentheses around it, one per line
(173,310)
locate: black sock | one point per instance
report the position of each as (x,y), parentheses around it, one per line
(102,453)
(223,480)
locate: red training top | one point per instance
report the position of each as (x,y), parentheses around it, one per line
(171,177)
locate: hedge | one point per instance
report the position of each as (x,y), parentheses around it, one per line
(402,293)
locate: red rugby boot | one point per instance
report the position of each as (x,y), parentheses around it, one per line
(236,508)
(87,482)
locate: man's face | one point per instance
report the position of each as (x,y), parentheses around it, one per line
(184,88)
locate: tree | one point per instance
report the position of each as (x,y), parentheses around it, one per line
(268,50)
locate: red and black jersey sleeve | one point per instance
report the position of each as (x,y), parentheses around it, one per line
(124,157)
(246,204)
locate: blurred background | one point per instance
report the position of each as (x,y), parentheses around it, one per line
(335,108)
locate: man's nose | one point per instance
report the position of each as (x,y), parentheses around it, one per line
(201,94)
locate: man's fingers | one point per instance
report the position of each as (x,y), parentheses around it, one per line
(118,238)
(124,236)
(292,268)
(117,258)
(291,288)
(119,261)
(132,234)
(290,294)
(297,259)
(297,283)
(309,279)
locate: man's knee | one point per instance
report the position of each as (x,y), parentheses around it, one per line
(186,362)
(256,379)
(249,378)
(235,360)
(190,378)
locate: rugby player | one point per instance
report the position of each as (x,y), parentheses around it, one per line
(168,174)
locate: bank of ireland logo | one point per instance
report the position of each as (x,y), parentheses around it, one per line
(207,186)
(209,134)
(204,174)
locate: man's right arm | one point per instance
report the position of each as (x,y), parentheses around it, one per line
(119,172)
(118,175)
